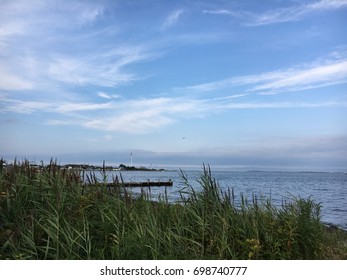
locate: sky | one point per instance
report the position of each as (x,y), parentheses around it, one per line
(234,84)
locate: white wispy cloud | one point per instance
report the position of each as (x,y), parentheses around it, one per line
(278,105)
(103,67)
(59,52)
(23,17)
(28,106)
(297,78)
(140,116)
(100,68)
(107,96)
(314,77)
(327,4)
(54,67)
(86,13)
(76,107)
(104,95)
(221,12)
(92,69)
(131,116)
(57,48)
(10,29)
(287,14)
(143,115)
(10,81)
(296,12)
(172,19)
(23,107)
(131,122)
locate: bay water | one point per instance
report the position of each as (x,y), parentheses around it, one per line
(327,189)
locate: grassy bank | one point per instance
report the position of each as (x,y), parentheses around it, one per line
(51,214)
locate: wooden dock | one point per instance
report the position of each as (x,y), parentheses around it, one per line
(141,184)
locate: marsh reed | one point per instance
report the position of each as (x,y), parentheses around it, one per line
(51,213)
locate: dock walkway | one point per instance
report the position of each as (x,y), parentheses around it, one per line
(141,184)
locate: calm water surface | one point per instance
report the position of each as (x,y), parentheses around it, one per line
(328,189)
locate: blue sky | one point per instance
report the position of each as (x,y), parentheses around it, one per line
(245,84)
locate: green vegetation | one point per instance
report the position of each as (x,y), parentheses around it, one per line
(141,168)
(49,213)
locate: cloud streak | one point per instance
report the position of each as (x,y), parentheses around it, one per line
(143,115)
(172,18)
(95,68)
(60,49)
(90,70)
(287,14)
(9,81)
(297,78)
(29,107)
(106,95)
(140,116)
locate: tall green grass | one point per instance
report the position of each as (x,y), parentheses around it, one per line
(52,213)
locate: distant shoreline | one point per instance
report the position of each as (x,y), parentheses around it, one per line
(88,167)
